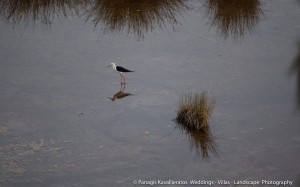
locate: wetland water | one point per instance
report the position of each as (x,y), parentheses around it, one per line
(59,125)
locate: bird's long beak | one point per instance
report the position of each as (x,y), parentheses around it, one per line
(108,66)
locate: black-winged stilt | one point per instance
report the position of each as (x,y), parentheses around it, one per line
(120,70)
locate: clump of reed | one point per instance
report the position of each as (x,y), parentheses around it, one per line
(195,110)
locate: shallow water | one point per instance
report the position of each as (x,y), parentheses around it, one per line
(59,127)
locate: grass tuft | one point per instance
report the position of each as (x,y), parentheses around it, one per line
(195,110)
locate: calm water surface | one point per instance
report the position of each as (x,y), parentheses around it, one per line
(62,123)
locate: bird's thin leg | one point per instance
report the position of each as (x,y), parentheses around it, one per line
(123,78)
(120,77)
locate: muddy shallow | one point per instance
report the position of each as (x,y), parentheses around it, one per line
(59,128)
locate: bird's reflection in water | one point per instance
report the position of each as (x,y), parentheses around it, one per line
(202,142)
(120,94)
(295,69)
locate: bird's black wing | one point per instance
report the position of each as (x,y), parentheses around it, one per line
(121,69)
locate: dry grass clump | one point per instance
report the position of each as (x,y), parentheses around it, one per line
(195,110)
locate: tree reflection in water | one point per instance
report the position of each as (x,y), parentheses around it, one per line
(15,11)
(203,142)
(234,18)
(135,17)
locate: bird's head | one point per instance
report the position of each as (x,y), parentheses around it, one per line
(112,64)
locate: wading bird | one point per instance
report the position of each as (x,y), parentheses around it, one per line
(121,70)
